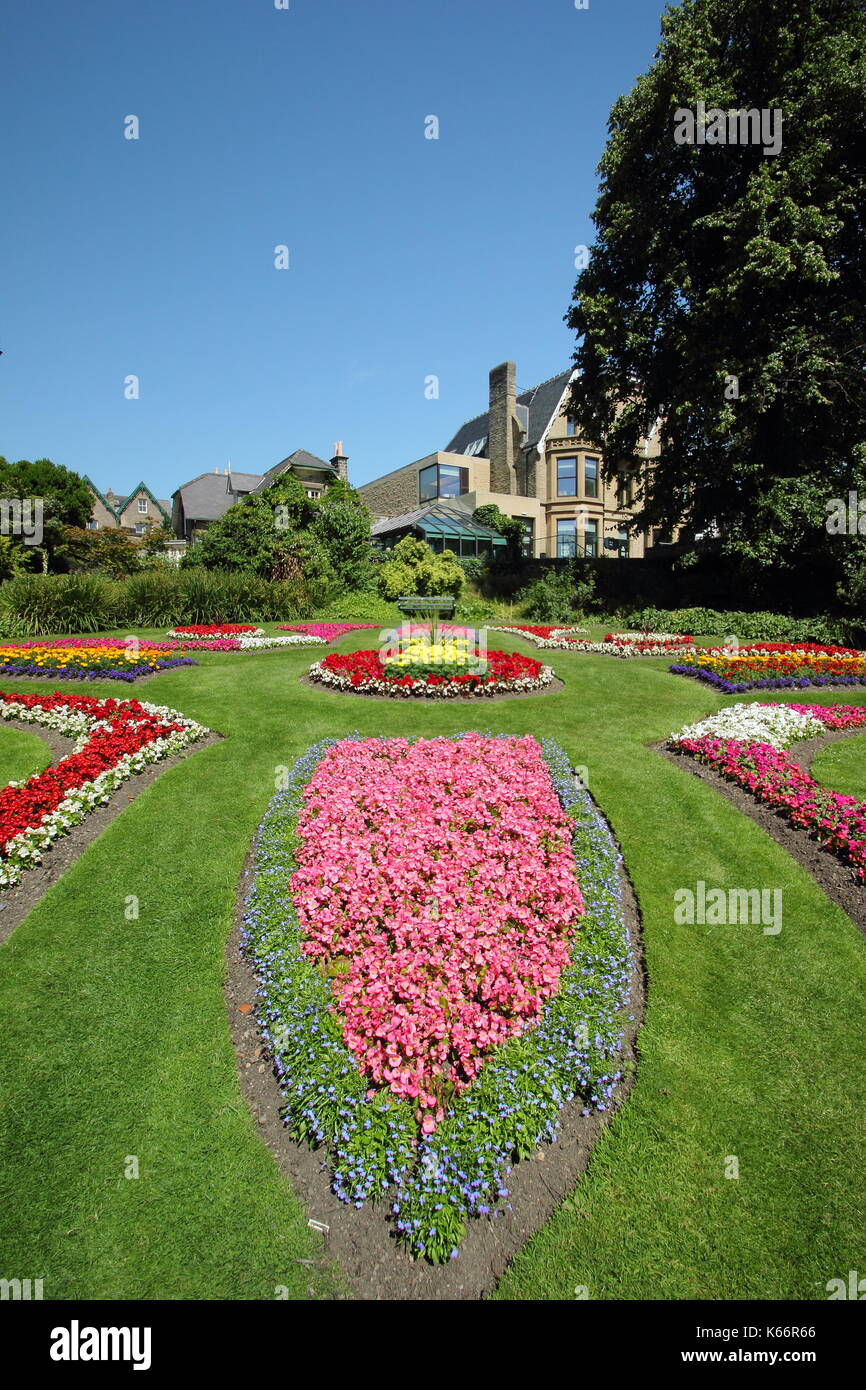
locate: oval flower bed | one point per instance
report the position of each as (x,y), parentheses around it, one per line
(442,958)
(90,658)
(365,673)
(217,630)
(747,743)
(114,739)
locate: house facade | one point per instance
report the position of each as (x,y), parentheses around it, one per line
(207,498)
(136,513)
(524,455)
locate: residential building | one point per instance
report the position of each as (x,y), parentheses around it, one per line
(208,497)
(524,455)
(136,513)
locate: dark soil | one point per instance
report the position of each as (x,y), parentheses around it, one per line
(361,1241)
(555,685)
(837,878)
(16,901)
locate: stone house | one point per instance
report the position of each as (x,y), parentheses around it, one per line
(136,513)
(208,497)
(523,454)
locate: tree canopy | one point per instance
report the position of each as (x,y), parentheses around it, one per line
(723,302)
(66,501)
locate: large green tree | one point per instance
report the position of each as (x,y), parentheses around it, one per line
(65,500)
(723,302)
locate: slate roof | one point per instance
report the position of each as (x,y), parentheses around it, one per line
(542,401)
(301,459)
(208,497)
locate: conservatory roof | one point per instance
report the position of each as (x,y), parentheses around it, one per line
(448,523)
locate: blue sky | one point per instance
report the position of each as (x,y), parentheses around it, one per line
(408,257)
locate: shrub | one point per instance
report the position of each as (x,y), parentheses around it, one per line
(49,604)
(413,568)
(366,606)
(153,598)
(36,605)
(746,627)
(474,567)
(558,596)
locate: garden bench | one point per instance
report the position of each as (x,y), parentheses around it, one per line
(413,605)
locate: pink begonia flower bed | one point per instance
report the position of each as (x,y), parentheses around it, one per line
(438,878)
(326,632)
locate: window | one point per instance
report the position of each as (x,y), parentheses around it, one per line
(453,481)
(527,543)
(142,505)
(140,528)
(566,538)
(590,537)
(570,425)
(590,477)
(622,538)
(313,492)
(93,525)
(566,477)
(442,480)
(661,537)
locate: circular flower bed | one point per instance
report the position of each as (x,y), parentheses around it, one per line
(365,673)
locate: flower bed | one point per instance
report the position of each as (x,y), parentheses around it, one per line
(90,658)
(364,673)
(621,644)
(217,630)
(393,1059)
(542,635)
(747,743)
(114,740)
(325,632)
(247,643)
(774,666)
(669,640)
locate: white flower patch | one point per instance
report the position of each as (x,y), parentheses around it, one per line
(778,725)
(296,639)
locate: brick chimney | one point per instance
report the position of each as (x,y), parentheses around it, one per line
(504,428)
(340,461)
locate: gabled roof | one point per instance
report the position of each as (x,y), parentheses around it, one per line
(103,499)
(438,520)
(142,487)
(542,401)
(299,459)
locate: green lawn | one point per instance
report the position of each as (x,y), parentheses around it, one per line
(115,1040)
(842,766)
(21,755)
